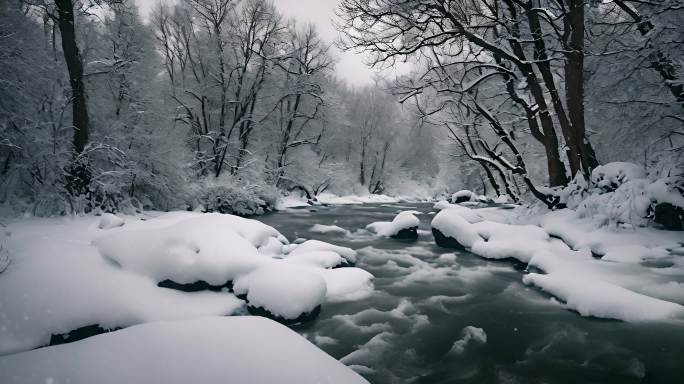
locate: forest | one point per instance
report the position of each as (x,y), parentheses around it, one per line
(206,172)
(209,101)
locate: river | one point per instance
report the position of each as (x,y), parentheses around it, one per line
(411,328)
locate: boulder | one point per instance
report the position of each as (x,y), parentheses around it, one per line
(406,233)
(445,241)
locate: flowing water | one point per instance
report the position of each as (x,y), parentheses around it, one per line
(411,328)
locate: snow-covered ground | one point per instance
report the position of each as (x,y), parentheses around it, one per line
(69,273)
(609,271)
(206,350)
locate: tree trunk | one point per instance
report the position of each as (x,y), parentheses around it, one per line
(72,56)
(574,86)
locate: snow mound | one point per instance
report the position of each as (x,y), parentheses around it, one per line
(283,290)
(205,249)
(320,228)
(317,245)
(206,350)
(610,176)
(108,220)
(405,220)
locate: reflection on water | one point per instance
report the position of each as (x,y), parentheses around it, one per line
(421,325)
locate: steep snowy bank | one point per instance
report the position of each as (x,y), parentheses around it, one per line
(205,350)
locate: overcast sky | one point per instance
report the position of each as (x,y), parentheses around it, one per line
(350,66)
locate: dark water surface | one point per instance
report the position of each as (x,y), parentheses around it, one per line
(425,296)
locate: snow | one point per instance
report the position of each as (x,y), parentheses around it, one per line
(346,284)
(58,282)
(323,259)
(317,245)
(330,199)
(197,249)
(403,220)
(614,174)
(291,201)
(502,199)
(618,285)
(600,299)
(471,335)
(108,220)
(321,228)
(67,273)
(282,289)
(452,224)
(241,349)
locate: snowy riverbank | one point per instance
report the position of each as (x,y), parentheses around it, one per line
(618,272)
(78,276)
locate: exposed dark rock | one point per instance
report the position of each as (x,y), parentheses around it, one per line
(79,334)
(669,216)
(446,241)
(344,264)
(259,311)
(407,233)
(194,287)
(461,199)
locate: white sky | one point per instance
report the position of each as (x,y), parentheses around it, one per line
(350,66)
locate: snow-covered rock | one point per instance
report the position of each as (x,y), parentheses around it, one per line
(317,245)
(463,196)
(209,350)
(283,290)
(452,228)
(108,220)
(403,226)
(205,249)
(321,228)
